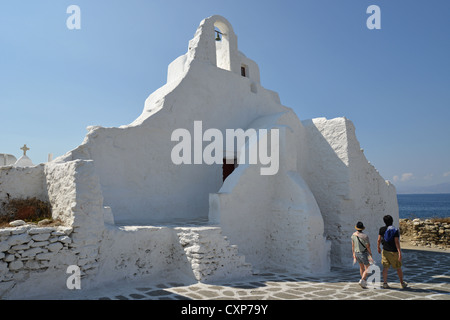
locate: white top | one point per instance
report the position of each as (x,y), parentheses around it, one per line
(361,244)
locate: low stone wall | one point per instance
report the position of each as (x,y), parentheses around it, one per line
(427,232)
(29,248)
(210,254)
(34,259)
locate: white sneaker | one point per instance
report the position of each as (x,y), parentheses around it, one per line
(363,283)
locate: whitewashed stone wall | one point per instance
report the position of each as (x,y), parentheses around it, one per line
(346,186)
(281,226)
(146,252)
(34,260)
(28,251)
(73,192)
(22,183)
(7,159)
(210,254)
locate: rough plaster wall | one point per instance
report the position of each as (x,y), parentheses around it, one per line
(138,252)
(138,179)
(7,159)
(327,177)
(347,188)
(210,255)
(61,190)
(297,237)
(282,226)
(277,229)
(35,260)
(22,183)
(297,228)
(74,193)
(373,196)
(187,254)
(75,196)
(245,222)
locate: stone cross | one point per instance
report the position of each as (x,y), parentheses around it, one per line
(25,149)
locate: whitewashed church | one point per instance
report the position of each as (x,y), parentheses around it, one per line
(130,211)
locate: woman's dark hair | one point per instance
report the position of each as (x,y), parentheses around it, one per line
(388,220)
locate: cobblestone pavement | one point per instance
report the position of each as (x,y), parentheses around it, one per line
(427,274)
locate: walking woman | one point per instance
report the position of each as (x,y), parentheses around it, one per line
(361,252)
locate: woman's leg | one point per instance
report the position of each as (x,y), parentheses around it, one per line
(361,269)
(366,271)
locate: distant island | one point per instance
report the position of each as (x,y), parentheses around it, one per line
(438,188)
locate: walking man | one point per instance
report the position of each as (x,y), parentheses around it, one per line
(391,256)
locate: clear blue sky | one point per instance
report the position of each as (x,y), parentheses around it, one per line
(393,83)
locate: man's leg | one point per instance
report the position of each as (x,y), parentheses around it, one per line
(385,274)
(386,264)
(400,274)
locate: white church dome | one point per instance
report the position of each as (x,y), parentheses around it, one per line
(24,161)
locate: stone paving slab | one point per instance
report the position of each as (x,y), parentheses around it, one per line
(427,273)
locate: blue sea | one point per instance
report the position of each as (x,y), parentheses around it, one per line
(424,206)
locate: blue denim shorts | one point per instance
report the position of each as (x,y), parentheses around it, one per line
(362,257)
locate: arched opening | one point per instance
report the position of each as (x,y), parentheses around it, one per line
(222,46)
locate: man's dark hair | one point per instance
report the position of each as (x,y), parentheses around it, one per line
(388,220)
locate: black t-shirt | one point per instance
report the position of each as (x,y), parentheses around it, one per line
(388,245)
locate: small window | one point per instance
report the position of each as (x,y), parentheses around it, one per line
(243,73)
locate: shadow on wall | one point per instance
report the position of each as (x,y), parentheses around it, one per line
(346,186)
(328,179)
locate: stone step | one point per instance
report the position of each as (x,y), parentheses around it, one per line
(211,255)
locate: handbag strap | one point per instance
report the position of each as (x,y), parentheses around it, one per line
(360,241)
